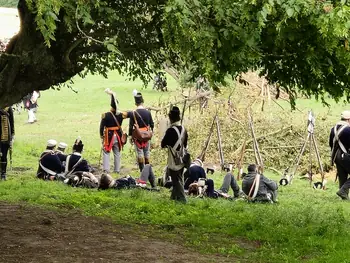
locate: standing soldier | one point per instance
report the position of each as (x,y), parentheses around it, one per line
(142,118)
(111,135)
(33,104)
(175,139)
(7,135)
(339,141)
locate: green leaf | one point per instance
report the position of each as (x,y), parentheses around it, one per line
(290,12)
(53,15)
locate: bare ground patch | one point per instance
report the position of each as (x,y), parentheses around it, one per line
(31,234)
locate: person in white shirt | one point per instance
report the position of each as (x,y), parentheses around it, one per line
(33,104)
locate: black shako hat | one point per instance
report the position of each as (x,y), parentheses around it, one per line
(113,102)
(78,145)
(174,113)
(138,98)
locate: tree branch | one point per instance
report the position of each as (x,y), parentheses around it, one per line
(82,32)
(70,49)
(261,137)
(190,99)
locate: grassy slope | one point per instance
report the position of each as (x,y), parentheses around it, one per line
(8,3)
(306,225)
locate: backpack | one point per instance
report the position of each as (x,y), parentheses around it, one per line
(143,134)
(182,156)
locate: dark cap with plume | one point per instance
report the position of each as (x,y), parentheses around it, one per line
(78,145)
(138,98)
(174,113)
(113,102)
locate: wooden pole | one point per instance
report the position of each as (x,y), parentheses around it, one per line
(240,161)
(299,158)
(221,154)
(310,158)
(206,145)
(318,158)
(256,145)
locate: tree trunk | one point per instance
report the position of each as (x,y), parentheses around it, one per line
(28,64)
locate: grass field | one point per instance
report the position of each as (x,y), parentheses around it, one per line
(306,225)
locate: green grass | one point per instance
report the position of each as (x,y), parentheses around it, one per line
(64,115)
(306,225)
(8,3)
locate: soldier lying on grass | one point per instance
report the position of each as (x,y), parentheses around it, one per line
(147,174)
(205,187)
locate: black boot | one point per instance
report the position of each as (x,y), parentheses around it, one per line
(3,177)
(141,165)
(343,194)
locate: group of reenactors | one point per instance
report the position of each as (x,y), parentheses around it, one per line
(184,180)
(182,176)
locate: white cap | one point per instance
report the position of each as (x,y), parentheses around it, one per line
(199,162)
(134,92)
(62,145)
(51,143)
(109,91)
(345,115)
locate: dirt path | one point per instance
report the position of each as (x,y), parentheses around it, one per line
(30,234)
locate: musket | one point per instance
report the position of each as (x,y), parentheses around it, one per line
(321,184)
(184,108)
(258,157)
(183,112)
(240,161)
(206,145)
(99,160)
(221,154)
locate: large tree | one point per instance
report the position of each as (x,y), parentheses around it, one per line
(300,44)
(59,39)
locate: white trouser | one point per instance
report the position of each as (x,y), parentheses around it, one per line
(31,115)
(117,155)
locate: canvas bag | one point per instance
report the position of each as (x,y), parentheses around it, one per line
(337,144)
(181,157)
(141,134)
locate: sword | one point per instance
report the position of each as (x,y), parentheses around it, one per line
(99,161)
(11,158)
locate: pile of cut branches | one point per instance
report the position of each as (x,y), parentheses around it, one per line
(280,133)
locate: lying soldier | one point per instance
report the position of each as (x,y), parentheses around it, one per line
(147,174)
(193,174)
(49,163)
(107,182)
(266,190)
(206,187)
(82,179)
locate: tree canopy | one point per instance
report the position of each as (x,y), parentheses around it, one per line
(301,45)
